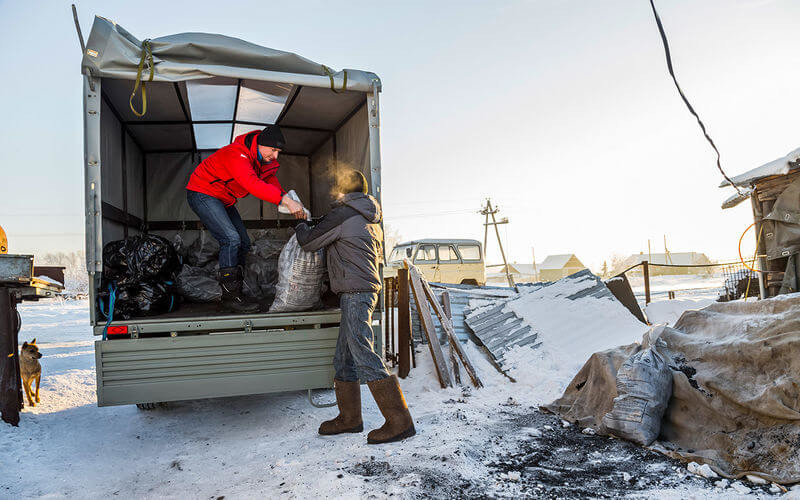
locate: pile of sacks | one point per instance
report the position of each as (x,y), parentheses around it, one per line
(138,277)
(198,278)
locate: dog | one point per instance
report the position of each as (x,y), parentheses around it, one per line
(30,369)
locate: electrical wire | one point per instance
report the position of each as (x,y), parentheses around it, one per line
(683,96)
(758,242)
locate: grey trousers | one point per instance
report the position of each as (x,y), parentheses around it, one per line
(355,358)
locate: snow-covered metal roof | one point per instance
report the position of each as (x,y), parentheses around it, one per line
(780,166)
(556,261)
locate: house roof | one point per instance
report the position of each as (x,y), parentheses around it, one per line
(522,268)
(677,258)
(556,261)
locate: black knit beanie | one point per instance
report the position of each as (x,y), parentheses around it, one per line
(271,137)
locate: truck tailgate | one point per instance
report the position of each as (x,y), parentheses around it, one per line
(162,369)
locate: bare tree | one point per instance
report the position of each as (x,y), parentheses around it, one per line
(392,237)
(76,279)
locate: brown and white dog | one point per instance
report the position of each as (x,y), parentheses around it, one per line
(30,369)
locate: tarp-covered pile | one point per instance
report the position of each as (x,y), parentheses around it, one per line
(735,402)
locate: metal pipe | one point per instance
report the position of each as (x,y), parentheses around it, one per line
(318,405)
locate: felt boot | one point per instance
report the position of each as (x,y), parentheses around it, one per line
(392,404)
(230,280)
(348,399)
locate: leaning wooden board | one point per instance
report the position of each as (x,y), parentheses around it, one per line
(447,326)
(426,320)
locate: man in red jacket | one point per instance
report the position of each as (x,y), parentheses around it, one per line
(247,166)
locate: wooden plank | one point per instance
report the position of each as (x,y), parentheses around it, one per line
(451,350)
(403,324)
(447,326)
(426,321)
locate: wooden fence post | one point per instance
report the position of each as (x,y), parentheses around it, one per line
(646,273)
(403,323)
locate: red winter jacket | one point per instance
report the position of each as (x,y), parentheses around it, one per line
(234,172)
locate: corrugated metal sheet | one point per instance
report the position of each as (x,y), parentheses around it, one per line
(499,328)
(460,296)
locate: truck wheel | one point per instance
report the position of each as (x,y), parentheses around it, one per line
(469,282)
(150,406)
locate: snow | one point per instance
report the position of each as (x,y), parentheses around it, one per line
(572,330)
(267,445)
(775,167)
(702,470)
(48,279)
(668,311)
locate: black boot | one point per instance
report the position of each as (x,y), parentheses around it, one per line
(230,279)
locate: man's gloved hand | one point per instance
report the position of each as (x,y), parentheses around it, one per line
(293,207)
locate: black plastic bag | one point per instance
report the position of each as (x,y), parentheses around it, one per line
(203,250)
(260,277)
(147,298)
(140,258)
(198,285)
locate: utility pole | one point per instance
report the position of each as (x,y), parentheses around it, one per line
(535,271)
(489,211)
(667,256)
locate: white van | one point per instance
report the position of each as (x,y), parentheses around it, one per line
(441,260)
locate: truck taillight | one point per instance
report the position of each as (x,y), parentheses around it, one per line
(117,330)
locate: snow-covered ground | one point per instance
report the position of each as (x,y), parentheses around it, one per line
(489,442)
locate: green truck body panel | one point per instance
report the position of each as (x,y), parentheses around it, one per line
(207,366)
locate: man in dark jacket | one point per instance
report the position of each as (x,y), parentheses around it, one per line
(353,237)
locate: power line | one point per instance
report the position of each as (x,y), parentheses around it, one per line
(683,96)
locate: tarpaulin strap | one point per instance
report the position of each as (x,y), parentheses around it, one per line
(171,296)
(147,53)
(685,99)
(330,74)
(112,295)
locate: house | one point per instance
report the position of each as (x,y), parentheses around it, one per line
(520,273)
(666,259)
(774,193)
(555,267)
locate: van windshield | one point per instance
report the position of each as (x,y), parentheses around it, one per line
(402,252)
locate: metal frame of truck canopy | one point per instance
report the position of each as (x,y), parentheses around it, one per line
(207,89)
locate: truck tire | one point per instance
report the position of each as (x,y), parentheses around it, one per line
(469,282)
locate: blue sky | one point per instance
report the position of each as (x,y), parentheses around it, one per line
(561,110)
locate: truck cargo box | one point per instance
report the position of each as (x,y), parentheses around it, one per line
(206,90)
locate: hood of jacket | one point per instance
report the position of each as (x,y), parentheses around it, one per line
(364,204)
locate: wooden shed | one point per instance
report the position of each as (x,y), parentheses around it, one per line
(774,193)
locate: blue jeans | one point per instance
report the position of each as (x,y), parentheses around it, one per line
(355,358)
(225,225)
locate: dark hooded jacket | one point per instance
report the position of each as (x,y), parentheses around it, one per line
(353,237)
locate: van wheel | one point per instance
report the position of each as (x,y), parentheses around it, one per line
(469,282)
(150,406)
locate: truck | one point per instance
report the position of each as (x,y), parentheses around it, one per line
(152,110)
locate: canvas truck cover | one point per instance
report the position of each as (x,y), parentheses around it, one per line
(735,402)
(113,52)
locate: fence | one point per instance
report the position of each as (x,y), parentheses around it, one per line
(738,280)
